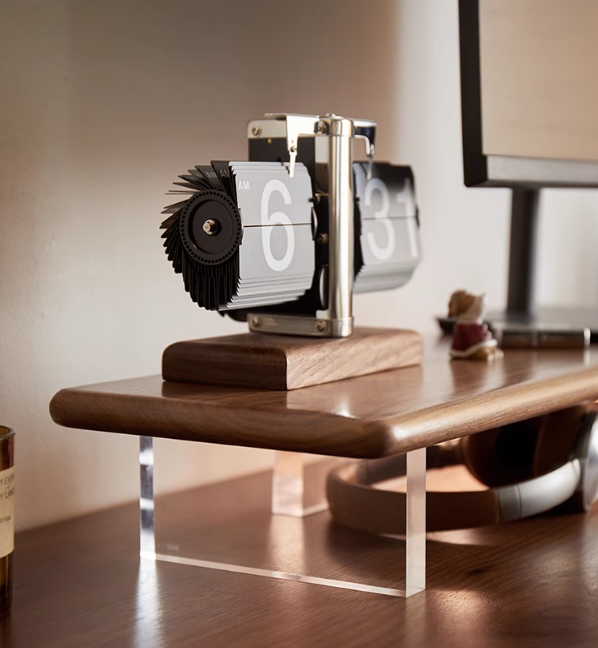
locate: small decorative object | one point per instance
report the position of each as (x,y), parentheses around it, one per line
(471,338)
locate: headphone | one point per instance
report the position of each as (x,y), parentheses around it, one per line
(530,467)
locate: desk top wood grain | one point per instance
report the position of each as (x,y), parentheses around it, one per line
(80,584)
(370,416)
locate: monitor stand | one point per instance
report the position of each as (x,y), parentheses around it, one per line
(520,311)
(520,315)
(522,251)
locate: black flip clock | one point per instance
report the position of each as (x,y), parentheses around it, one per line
(282,241)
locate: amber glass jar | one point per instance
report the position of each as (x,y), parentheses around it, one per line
(7,515)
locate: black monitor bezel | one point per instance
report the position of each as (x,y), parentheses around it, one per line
(482,170)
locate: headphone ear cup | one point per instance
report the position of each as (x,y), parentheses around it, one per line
(558,438)
(504,455)
(563,437)
(478,451)
(585,450)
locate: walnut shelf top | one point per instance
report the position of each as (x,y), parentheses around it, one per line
(370,416)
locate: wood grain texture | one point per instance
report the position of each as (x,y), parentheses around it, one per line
(284,362)
(371,416)
(529,584)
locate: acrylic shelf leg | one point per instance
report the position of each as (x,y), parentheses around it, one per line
(415,567)
(298,486)
(147,540)
(298,490)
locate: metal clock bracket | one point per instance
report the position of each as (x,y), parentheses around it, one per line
(337,319)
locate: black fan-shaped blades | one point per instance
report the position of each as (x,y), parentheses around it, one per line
(202,237)
(241,234)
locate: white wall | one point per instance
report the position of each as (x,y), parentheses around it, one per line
(105,103)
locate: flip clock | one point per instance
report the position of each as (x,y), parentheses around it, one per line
(283,240)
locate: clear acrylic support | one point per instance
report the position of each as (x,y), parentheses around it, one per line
(147,540)
(296,545)
(299,486)
(415,560)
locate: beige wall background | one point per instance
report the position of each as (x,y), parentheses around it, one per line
(104,103)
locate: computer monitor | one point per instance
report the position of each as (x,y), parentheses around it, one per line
(529,92)
(529,97)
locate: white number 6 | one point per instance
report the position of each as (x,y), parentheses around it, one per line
(385,252)
(277,218)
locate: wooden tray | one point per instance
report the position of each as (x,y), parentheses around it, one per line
(283,362)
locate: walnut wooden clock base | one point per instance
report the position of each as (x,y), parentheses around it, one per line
(284,363)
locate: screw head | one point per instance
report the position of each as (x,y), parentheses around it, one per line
(321,326)
(256,322)
(256,130)
(322,128)
(211,227)
(322,238)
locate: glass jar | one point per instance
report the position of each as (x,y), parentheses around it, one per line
(7,516)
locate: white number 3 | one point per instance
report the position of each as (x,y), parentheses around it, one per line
(277,218)
(386,251)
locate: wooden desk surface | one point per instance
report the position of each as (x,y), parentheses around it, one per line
(371,416)
(80,584)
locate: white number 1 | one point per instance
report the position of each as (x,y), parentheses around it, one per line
(277,218)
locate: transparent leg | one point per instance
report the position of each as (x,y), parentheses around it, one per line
(299,486)
(295,494)
(147,541)
(415,577)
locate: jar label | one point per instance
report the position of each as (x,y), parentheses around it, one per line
(7,511)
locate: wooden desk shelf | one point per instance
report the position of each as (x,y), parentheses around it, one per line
(391,412)
(371,416)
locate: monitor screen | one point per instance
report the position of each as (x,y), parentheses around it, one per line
(529,92)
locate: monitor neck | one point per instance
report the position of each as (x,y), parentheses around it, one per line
(524,225)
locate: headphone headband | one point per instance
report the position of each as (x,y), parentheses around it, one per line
(353,503)
(539,494)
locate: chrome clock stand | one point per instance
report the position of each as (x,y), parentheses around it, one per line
(336,156)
